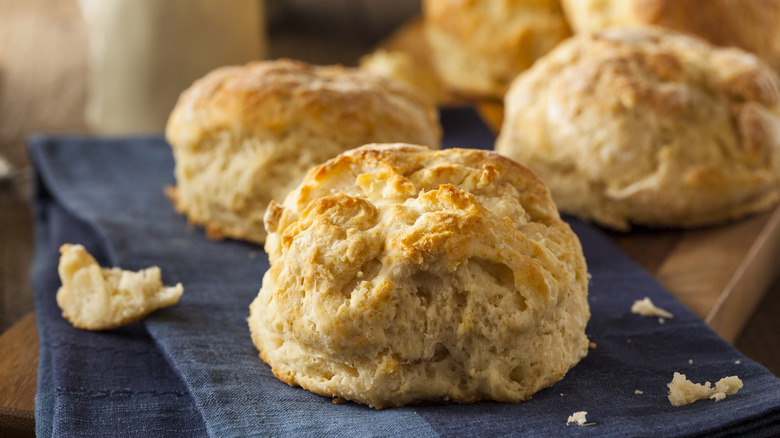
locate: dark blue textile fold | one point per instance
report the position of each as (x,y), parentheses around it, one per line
(191,369)
(114,383)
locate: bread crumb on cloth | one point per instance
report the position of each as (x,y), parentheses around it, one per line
(645,307)
(95,298)
(683,392)
(579,419)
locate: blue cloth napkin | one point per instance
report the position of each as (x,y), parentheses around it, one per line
(191,369)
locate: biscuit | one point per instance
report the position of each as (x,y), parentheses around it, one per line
(478,47)
(401,275)
(404,67)
(648,126)
(242,136)
(95,298)
(753,25)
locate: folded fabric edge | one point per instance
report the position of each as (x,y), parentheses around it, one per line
(766,425)
(44,397)
(36,145)
(45,262)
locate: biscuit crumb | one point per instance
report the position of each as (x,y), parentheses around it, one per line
(95,298)
(638,392)
(682,391)
(718,396)
(578,418)
(737,362)
(592,345)
(338,401)
(645,307)
(690,361)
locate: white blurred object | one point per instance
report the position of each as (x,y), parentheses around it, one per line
(6,169)
(144,53)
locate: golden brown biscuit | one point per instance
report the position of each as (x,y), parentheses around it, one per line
(402,66)
(405,55)
(753,25)
(648,126)
(478,47)
(242,136)
(403,275)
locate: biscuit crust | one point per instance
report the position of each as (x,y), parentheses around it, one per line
(401,275)
(753,25)
(478,47)
(648,126)
(244,135)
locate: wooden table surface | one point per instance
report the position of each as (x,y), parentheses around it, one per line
(42,88)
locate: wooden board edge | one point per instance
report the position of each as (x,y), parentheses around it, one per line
(756,273)
(16,423)
(18,375)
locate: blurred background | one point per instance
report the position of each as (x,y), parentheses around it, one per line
(61,63)
(59,59)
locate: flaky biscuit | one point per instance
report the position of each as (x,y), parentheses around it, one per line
(753,25)
(402,66)
(648,126)
(478,47)
(401,275)
(242,136)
